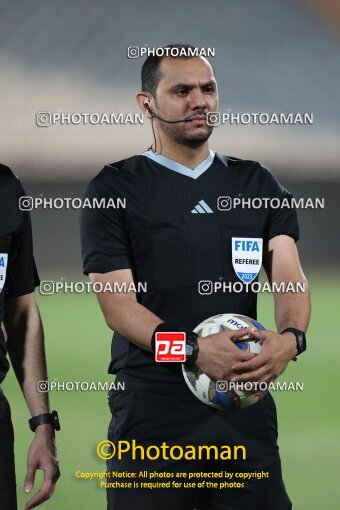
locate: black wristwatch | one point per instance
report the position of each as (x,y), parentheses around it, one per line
(49,418)
(300,336)
(191,349)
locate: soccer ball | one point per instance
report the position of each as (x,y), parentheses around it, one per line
(221,394)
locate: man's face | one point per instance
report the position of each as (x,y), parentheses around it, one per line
(187,89)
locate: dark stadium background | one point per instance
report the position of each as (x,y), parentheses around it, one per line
(271,56)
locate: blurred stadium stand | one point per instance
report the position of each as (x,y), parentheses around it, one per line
(271,56)
(329,9)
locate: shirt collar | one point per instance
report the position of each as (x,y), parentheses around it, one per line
(181,169)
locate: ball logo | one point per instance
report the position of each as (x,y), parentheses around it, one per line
(3,268)
(247,257)
(239,325)
(170,347)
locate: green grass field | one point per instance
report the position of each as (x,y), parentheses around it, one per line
(78,349)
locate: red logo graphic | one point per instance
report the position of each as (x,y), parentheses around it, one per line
(170,347)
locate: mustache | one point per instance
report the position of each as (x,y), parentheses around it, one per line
(200,113)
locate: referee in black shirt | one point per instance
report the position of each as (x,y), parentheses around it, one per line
(25,344)
(172,235)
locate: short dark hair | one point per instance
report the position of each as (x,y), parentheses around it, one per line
(151,74)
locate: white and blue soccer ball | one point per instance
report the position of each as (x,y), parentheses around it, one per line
(223,394)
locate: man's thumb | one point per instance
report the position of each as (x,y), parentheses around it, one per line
(29,479)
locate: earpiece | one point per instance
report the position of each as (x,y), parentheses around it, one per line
(154,115)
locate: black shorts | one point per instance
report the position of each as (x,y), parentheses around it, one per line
(8,495)
(153,415)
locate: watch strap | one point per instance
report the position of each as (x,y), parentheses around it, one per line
(43,419)
(300,339)
(191,341)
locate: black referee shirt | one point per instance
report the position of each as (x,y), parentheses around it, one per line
(172,235)
(18,274)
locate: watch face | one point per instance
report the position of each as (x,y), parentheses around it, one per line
(300,336)
(55,418)
(301,341)
(188,349)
